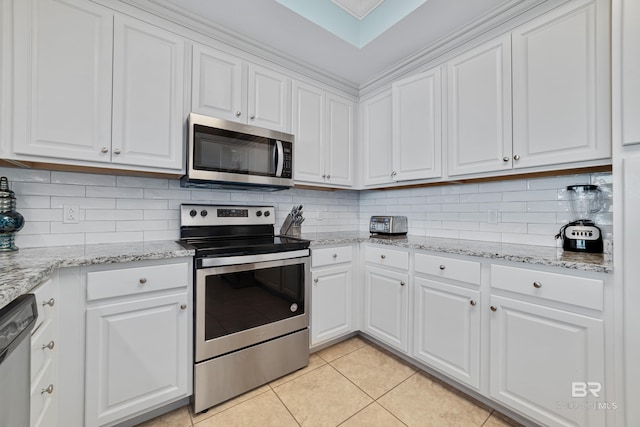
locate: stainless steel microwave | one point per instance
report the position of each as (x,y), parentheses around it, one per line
(228,154)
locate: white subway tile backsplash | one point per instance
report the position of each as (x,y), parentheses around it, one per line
(129,209)
(82,179)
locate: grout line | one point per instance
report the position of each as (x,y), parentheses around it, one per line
(488,416)
(286,407)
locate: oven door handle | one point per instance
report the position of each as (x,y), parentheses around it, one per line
(278,157)
(251,259)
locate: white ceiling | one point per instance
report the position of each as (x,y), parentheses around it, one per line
(274,25)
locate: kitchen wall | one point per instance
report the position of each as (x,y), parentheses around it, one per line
(132,209)
(529,211)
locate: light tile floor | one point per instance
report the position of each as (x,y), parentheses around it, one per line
(351,384)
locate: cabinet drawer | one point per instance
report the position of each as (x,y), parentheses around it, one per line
(42,351)
(331,256)
(136,280)
(574,290)
(46,301)
(387,257)
(449,268)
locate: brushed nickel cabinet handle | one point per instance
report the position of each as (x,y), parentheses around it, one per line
(383,256)
(442,266)
(47,390)
(142,280)
(334,256)
(50,303)
(238,113)
(537,285)
(253,116)
(505,159)
(402,283)
(104,150)
(116,151)
(49,346)
(315,280)
(494,308)
(183,306)
(516,157)
(473,303)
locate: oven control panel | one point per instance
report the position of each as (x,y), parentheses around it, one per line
(211,215)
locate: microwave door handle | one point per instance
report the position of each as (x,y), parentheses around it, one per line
(278,154)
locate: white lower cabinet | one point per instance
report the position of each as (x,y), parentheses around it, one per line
(44,357)
(331,290)
(386,306)
(447,329)
(137,341)
(547,363)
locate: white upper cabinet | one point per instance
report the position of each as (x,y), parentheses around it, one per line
(148,95)
(269,99)
(62,79)
(377,137)
(561,86)
(417,122)
(479,109)
(323,129)
(630,64)
(308,128)
(339,134)
(226,87)
(217,89)
(91,85)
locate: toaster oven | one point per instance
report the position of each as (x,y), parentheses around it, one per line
(388,225)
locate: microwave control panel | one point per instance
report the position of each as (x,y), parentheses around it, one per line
(287,168)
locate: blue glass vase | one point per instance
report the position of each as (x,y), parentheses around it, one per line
(10,220)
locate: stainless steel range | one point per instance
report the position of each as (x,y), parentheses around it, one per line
(251,300)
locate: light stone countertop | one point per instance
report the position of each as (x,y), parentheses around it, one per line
(527,254)
(23,270)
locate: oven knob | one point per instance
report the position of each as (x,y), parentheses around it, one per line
(204,212)
(294,307)
(193,213)
(259,213)
(267,213)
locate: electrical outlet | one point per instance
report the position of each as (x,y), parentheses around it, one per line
(492,216)
(70,214)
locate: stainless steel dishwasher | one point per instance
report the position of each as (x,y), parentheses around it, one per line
(16,322)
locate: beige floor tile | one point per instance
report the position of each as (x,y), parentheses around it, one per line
(373,370)
(342,348)
(178,418)
(373,415)
(264,410)
(315,361)
(323,397)
(499,420)
(228,404)
(420,401)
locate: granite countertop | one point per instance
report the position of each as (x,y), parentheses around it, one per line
(25,269)
(528,254)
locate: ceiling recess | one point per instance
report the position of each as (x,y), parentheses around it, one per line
(359,9)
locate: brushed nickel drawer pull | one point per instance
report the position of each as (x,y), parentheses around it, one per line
(47,390)
(402,283)
(537,285)
(383,256)
(49,346)
(50,303)
(473,303)
(334,256)
(442,266)
(494,308)
(183,306)
(143,280)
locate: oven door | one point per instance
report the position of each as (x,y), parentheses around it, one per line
(249,302)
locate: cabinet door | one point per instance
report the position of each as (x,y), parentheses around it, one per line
(378,163)
(536,356)
(308,128)
(269,99)
(561,86)
(148,80)
(62,79)
(447,335)
(417,135)
(386,303)
(136,356)
(479,109)
(630,64)
(339,140)
(217,88)
(331,303)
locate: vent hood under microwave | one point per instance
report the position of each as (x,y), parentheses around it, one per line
(225,154)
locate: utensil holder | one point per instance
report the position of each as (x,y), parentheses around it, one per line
(295,231)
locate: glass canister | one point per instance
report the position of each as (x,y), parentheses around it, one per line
(10,220)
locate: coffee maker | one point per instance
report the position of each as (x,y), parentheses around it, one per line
(582,234)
